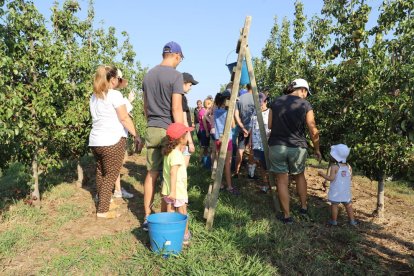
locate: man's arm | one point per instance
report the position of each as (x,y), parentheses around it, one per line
(177,107)
(239,122)
(314,132)
(270,119)
(145,105)
(188,135)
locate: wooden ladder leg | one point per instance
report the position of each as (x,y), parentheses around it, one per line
(207,203)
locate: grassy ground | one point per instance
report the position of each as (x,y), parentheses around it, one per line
(64,237)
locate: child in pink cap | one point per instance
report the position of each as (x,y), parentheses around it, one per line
(174,187)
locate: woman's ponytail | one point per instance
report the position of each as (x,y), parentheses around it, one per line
(103,75)
(288,89)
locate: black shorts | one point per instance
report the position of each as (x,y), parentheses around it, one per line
(242,141)
(204,140)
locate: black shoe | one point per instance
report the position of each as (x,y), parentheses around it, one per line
(236,175)
(233,191)
(303,212)
(254,177)
(145,225)
(288,220)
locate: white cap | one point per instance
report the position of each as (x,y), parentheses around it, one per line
(119,73)
(122,82)
(340,152)
(301,83)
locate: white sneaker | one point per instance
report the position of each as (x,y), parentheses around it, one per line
(123,194)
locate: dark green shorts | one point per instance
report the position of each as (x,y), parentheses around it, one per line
(285,159)
(154,140)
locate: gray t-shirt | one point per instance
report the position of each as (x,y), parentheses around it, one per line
(158,85)
(289,121)
(245,105)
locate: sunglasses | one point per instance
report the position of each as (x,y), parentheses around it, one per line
(181,55)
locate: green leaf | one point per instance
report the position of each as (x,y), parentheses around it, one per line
(9,113)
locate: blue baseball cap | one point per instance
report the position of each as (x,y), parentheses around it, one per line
(172,47)
(242,91)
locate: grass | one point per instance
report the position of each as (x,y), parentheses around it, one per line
(93,256)
(68,212)
(61,192)
(246,239)
(400,189)
(16,240)
(19,227)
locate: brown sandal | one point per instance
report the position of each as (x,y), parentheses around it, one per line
(108,215)
(113,206)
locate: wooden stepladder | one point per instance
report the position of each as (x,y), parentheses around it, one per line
(243,54)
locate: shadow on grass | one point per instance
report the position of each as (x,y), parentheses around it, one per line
(136,204)
(141,236)
(137,171)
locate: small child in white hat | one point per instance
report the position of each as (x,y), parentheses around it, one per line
(340,175)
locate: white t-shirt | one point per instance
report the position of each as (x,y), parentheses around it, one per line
(106,127)
(128,105)
(256,137)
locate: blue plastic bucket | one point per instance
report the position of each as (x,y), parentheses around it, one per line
(166,232)
(244,78)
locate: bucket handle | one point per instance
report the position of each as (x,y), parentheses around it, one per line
(229,55)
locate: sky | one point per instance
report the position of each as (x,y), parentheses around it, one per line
(206,30)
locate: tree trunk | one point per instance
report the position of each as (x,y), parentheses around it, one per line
(380,198)
(36,192)
(80,174)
